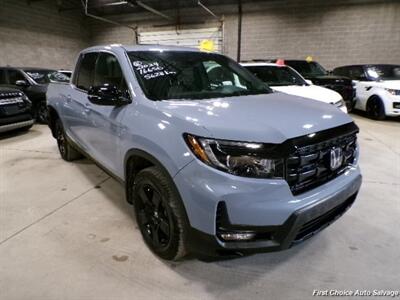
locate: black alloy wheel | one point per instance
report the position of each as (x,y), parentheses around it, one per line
(154,216)
(160,214)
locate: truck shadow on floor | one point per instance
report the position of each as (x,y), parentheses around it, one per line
(99,178)
(218,276)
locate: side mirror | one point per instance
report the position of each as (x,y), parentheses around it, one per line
(107,94)
(309,82)
(22,83)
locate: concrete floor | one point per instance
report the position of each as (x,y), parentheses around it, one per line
(67,233)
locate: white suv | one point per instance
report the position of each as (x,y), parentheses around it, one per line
(377,88)
(285,79)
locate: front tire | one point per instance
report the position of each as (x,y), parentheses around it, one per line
(159,214)
(67,152)
(376,109)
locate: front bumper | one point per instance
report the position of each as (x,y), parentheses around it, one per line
(394,109)
(300,226)
(265,207)
(392,105)
(8,124)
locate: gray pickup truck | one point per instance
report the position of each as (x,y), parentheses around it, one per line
(214,162)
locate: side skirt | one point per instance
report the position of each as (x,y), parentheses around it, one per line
(88,156)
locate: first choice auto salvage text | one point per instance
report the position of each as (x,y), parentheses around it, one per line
(357,293)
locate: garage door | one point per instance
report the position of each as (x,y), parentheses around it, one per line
(183,37)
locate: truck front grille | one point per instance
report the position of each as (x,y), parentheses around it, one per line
(310,166)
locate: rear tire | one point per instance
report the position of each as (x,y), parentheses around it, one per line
(42,112)
(376,109)
(159,214)
(67,152)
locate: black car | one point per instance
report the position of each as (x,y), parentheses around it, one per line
(313,71)
(15,110)
(33,82)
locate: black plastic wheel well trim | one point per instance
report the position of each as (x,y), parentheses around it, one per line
(375,97)
(129,179)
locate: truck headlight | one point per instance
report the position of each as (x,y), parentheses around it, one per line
(237,158)
(393,92)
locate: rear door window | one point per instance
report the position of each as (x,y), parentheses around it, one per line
(86,68)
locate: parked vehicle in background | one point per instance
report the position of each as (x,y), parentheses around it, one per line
(15,110)
(284,79)
(313,71)
(33,82)
(377,88)
(67,73)
(214,165)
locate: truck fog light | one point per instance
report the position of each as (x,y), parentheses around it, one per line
(235,236)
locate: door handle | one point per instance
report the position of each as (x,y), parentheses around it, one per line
(69,98)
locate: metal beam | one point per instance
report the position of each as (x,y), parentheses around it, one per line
(85,6)
(150,9)
(207,9)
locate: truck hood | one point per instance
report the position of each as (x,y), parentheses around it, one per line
(269,118)
(310,91)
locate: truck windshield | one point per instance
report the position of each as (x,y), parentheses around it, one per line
(46,76)
(384,72)
(277,76)
(307,69)
(165,75)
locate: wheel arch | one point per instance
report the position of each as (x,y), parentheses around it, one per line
(136,160)
(374,96)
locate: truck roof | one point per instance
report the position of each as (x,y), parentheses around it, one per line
(141,48)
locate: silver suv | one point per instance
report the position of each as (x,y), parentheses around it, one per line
(214,162)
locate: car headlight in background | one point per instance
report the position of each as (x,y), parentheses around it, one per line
(393,92)
(238,158)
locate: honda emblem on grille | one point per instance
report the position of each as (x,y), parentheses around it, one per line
(336,158)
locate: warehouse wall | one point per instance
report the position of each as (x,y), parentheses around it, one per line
(334,32)
(105,33)
(38,35)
